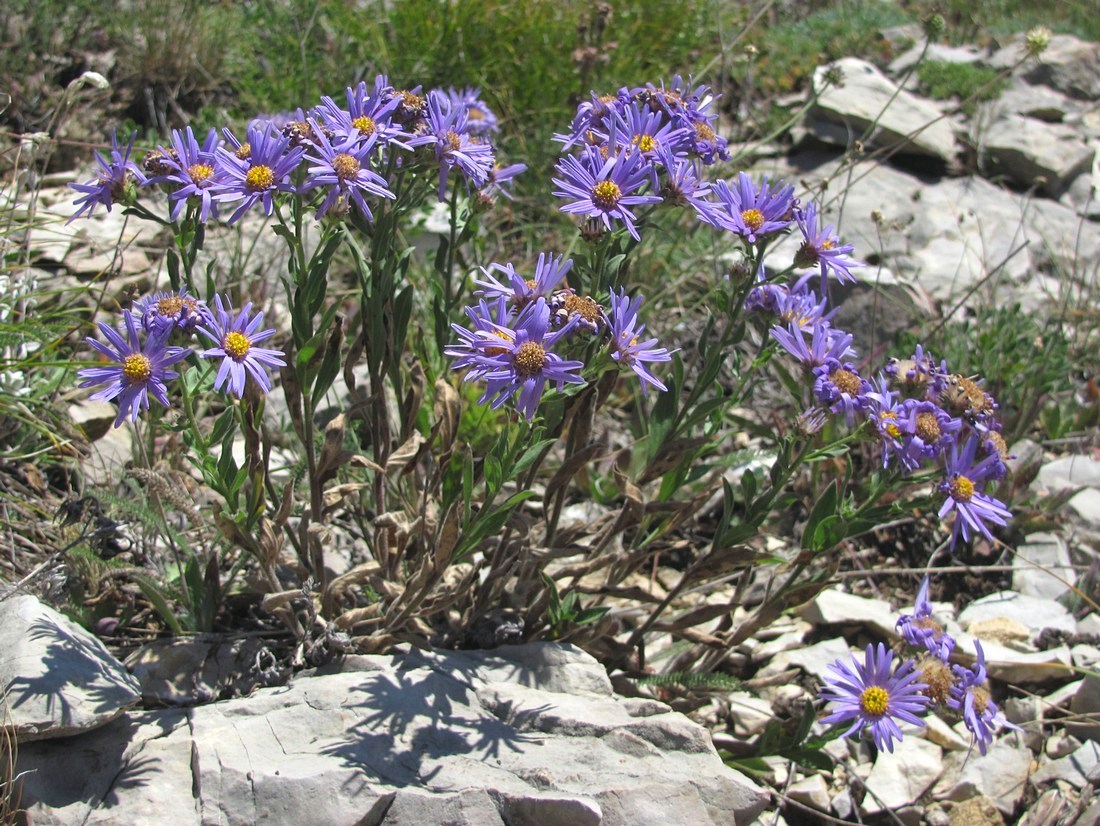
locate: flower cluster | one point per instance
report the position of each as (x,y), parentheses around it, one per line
(518,322)
(921,414)
(139,355)
(877,695)
(334,154)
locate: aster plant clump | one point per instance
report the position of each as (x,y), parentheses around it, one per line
(441,417)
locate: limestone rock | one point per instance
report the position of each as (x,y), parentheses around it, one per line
(1041,567)
(58,679)
(843,113)
(1069,65)
(1014,666)
(1077,769)
(1001,774)
(1033,612)
(445,737)
(1028,151)
(834,607)
(901,777)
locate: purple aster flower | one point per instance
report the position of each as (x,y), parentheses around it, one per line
(549,272)
(962,487)
(569,308)
(921,631)
(192,169)
(256,175)
(589,125)
(500,180)
(687,107)
(838,385)
(603,189)
(626,346)
(826,343)
(518,358)
(116,180)
(822,249)
(883,411)
(916,377)
(455,148)
(870,695)
(753,212)
(235,337)
(682,185)
(344,168)
(928,431)
(369,113)
(490,325)
(970,696)
(480,119)
(165,312)
(636,129)
(139,370)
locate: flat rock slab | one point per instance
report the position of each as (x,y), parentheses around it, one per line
(58,679)
(446,737)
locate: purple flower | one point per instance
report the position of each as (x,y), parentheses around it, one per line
(970,696)
(166,312)
(116,180)
(603,189)
(643,130)
(821,248)
(753,212)
(870,695)
(256,175)
(192,169)
(921,631)
(491,324)
(454,147)
(928,431)
(682,186)
(479,117)
(139,369)
(549,272)
(518,358)
(235,337)
(962,487)
(839,385)
(626,346)
(369,113)
(500,180)
(826,343)
(344,168)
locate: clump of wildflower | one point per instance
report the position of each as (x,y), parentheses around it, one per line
(751,211)
(116,180)
(454,146)
(139,369)
(874,695)
(235,337)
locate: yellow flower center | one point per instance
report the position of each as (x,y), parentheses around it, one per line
(531,283)
(497,351)
(244,151)
(136,368)
(365,125)
(236,345)
(259,178)
(891,428)
(703,131)
(753,218)
(530,358)
(606,194)
(454,141)
(845,381)
(928,428)
(981,699)
(345,166)
(828,244)
(961,488)
(998,444)
(647,143)
(200,172)
(170,306)
(873,700)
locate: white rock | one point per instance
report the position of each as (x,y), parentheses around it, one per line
(902,120)
(1001,774)
(58,679)
(834,607)
(1085,656)
(1061,745)
(1004,663)
(901,777)
(1029,151)
(1041,567)
(1070,472)
(1035,613)
(1084,706)
(1086,505)
(943,735)
(1069,65)
(1077,769)
(813,659)
(933,51)
(750,714)
(811,791)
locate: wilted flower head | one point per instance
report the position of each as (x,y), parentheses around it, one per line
(235,337)
(116,180)
(626,344)
(139,369)
(1036,41)
(165,312)
(873,695)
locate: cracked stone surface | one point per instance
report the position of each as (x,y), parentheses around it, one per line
(520,735)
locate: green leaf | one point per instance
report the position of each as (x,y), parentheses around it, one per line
(825,506)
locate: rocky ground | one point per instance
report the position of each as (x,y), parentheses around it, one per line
(534,734)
